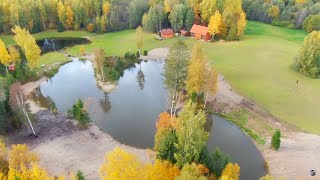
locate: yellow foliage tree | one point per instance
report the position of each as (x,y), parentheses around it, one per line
(162,170)
(20,157)
(3,149)
(4,55)
(33,173)
(231,172)
(82,50)
(28,45)
(62,13)
(69,20)
(120,165)
(215,23)
(273,11)
(106,8)
(242,23)
(207,8)
(196,70)
(90,27)
(14,54)
(32,52)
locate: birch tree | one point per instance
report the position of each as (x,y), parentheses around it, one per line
(17,102)
(175,73)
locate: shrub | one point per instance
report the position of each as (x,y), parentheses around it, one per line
(138,54)
(312,23)
(82,50)
(79,113)
(276,140)
(285,24)
(145,53)
(80,176)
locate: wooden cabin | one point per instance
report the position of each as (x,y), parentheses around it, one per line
(167,33)
(200,32)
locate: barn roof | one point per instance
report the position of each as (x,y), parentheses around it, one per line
(197,29)
(167,31)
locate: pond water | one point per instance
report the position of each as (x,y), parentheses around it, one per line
(129,113)
(55,44)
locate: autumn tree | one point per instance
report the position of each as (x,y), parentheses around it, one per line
(197,70)
(273,11)
(215,24)
(139,38)
(211,84)
(191,134)
(175,73)
(62,14)
(309,55)
(106,8)
(28,44)
(20,156)
(4,55)
(14,54)
(35,172)
(207,8)
(119,164)
(235,19)
(191,171)
(241,24)
(69,20)
(162,170)
(232,171)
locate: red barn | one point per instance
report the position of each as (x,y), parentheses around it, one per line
(167,33)
(200,32)
(184,33)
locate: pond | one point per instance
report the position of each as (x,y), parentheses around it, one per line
(55,44)
(130,112)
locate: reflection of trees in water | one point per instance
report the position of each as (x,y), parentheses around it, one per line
(141,78)
(105,103)
(43,101)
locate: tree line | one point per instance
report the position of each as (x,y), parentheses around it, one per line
(93,16)
(292,14)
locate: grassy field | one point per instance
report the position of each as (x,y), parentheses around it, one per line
(51,58)
(258,67)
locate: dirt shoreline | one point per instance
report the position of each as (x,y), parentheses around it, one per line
(74,148)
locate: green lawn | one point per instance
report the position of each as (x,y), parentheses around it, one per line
(51,58)
(258,67)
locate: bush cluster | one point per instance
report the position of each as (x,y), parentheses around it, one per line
(79,113)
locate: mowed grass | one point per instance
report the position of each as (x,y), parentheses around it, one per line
(51,58)
(258,67)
